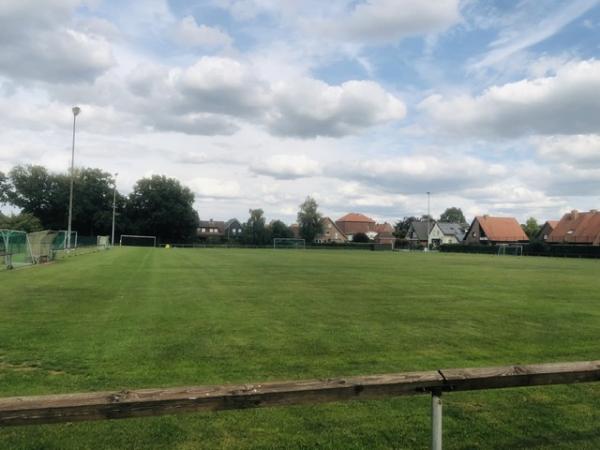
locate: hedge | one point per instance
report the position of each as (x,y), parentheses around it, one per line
(532,249)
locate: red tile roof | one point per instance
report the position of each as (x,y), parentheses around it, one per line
(355,217)
(552,223)
(384,228)
(502,229)
(577,227)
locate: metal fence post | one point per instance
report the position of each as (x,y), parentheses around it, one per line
(436,420)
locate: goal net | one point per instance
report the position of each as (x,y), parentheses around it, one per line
(135,240)
(60,240)
(288,243)
(15,249)
(510,249)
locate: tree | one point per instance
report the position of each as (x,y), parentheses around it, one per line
(4,188)
(453,215)
(46,196)
(278,229)
(310,220)
(162,207)
(402,226)
(23,222)
(254,230)
(531,228)
(361,238)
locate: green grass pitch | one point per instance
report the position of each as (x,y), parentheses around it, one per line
(134,317)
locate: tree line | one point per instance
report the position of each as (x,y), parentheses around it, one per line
(157,206)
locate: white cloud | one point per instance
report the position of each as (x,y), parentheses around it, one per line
(416,173)
(566,103)
(583,150)
(308,108)
(215,188)
(40,43)
(524,34)
(381,21)
(190,34)
(287,167)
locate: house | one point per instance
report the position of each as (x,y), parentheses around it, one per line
(488,230)
(385,234)
(354,223)
(418,232)
(331,233)
(577,228)
(546,229)
(211,229)
(233,229)
(447,233)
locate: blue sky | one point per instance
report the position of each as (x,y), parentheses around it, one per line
(366,105)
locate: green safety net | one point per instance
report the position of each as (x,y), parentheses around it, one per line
(15,249)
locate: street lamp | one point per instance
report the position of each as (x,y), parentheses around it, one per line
(112,240)
(428,217)
(76,110)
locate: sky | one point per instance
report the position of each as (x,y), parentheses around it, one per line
(492,106)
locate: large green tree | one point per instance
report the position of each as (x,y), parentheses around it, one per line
(4,188)
(46,196)
(22,222)
(310,221)
(454,215)
(162,207)
(402,226)
(255,231)
(531,228)
(278,229)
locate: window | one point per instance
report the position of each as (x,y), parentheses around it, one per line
(204,230)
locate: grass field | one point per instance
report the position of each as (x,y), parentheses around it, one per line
(132,318)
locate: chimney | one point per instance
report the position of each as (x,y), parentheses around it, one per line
(594,211)
(574,214)
(486,216)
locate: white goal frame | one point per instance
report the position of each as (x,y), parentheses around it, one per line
(136,236)
(503,247)
(300,241)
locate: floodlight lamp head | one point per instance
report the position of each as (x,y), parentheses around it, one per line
(76,110)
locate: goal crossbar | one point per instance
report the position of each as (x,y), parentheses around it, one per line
(137,236)
(289,243)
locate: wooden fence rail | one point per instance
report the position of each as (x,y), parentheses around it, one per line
(152,402)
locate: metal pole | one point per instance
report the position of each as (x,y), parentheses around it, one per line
(76,111)
(436,421)
(112,239)
(428,216)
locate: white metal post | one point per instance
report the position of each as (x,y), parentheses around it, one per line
(112,240)
(76,110)
(436,421)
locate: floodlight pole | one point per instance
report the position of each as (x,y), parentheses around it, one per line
(112,239)
(76,110)
(428,216)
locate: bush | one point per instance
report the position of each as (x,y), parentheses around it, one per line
(361,238)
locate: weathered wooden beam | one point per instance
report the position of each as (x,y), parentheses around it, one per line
(153,402)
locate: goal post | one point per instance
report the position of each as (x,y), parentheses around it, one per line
(15,249)
(510,249)
(136,240)
(289,243)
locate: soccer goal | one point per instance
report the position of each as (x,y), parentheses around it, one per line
(510,249)
(136,240)
(289,243)
(15,249)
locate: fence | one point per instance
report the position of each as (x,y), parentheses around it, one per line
(372,246)
(154,402)
(532,249)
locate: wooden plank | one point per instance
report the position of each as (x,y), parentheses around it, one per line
(152,402)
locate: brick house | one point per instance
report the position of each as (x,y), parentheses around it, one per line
(331,233)
(577,228)
(488,230)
